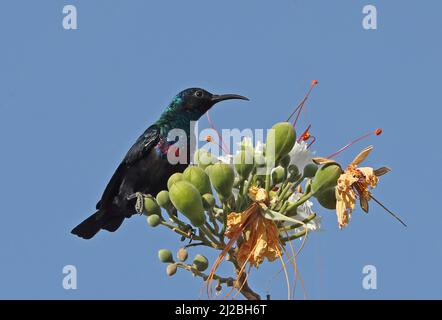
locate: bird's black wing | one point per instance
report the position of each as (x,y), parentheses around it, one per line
(139,150)
(142,146)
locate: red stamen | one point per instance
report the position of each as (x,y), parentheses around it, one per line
(313,141)
(301,104)
(210,139)
(222,145)
(376,132)
(388,210)
(305,135)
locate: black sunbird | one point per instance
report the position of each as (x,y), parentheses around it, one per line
(145,168)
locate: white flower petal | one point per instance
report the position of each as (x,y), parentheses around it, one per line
(300,155)
(304,211)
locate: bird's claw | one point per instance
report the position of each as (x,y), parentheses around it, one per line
(132,196)
(139,204)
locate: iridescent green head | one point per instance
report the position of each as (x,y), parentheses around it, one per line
(192,103)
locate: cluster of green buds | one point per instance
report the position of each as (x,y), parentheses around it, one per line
(198,200)
(199,263)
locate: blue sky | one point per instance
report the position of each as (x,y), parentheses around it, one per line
(72,103)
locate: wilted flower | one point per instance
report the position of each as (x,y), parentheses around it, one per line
(355,183)
(258,195)
(261,237)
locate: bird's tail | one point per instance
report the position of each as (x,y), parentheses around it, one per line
(90,227)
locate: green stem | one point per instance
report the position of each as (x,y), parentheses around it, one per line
(183,233)
(204,230)
(298,225)
(267,185)
(212,218)
(175,219)
(240,201)
(283,195)
(228,281)
(303,199)
(284,207)
(294,236)
(281,188)
(224,216)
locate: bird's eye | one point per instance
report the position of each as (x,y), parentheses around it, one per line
(198,94)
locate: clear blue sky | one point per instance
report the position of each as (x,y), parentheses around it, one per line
(72,103)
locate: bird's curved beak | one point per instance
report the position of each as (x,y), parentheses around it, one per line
(221,97)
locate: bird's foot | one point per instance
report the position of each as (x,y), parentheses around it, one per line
(139,204)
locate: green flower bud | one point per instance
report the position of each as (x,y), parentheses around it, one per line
(208,201)
(244,162)
(182,254)
(310,170)
(222,177)
(326,177)
(187,199)
(171,269)
(327,199)
(280,140)
(154,220)
(293,173)
(285,161)
(163,199)
(197,177)
(151,206)
(174,178)
(291,210)
(207,170)
(200,262)
(203,158)
(278,175)
(165,256)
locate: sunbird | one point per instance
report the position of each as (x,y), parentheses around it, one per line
(145,169)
